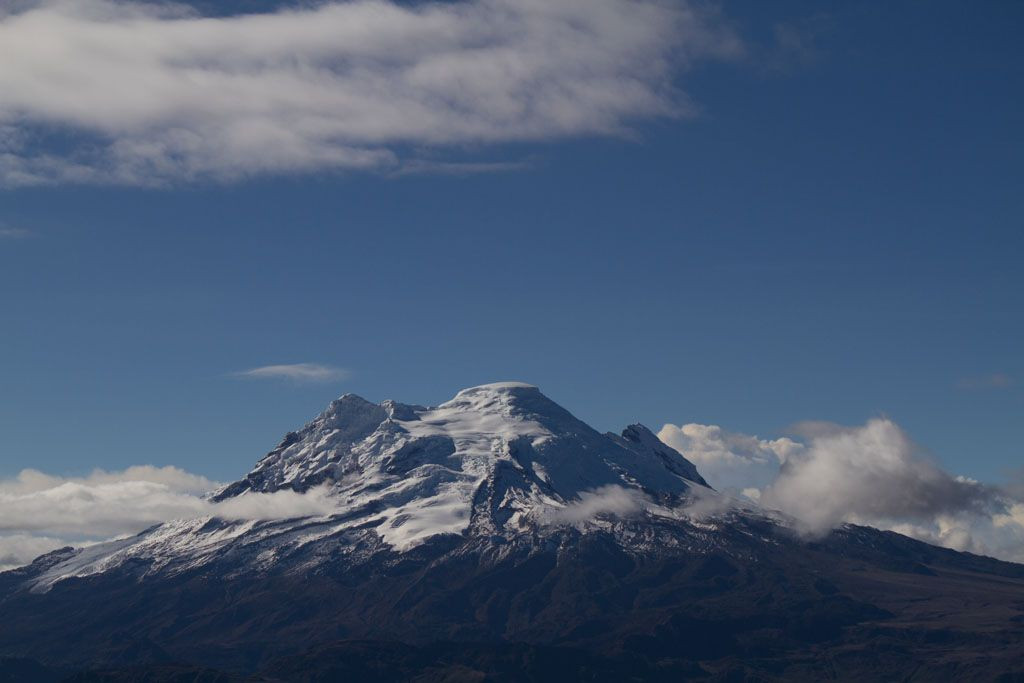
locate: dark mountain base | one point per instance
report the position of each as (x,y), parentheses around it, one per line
(876,658)
(861,604)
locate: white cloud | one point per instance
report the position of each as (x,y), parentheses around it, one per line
(101,505)
(276,505)
(96,511)
(296,372)
(147,93)
(752,493)
(19,549)
(611,500)
(999,535)
(872,474)
(173,478)
(41,512)
(627,503)
(729,460)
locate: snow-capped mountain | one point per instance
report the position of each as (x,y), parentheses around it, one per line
(498,460)
(367,451)
(498,533)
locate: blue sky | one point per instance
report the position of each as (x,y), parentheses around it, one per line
(834,233)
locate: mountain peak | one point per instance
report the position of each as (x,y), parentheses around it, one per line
(673,459)
(497,456)
(352,408)
(350,399)
(508,396)
(515,403)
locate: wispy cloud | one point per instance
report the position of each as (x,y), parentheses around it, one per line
(614,501)
(795,44)
(13,233)
(296,372)
(151,93)
(433,167)
(996,380)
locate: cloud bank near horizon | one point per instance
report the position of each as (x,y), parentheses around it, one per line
(40,512)
(151,93)
(872,474)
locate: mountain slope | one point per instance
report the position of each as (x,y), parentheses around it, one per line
(499,519)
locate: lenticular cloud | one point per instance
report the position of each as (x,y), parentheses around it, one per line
(147,93)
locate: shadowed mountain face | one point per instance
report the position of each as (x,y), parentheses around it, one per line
(498,536)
